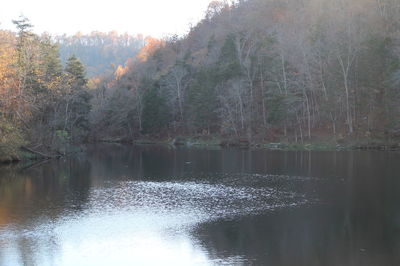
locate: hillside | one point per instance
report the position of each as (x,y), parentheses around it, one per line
(99,52)
(260,71)
(266,70)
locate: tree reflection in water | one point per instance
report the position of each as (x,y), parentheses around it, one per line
(182,206)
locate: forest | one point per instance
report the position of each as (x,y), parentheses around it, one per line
(42,104)
(99,52)
(291,71)
(265,70)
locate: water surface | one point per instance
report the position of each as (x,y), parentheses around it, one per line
(148,205)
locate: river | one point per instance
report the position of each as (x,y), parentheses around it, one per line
(156,205)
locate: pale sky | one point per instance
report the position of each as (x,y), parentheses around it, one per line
(149,17)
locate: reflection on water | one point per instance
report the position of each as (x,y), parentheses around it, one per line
(129,205)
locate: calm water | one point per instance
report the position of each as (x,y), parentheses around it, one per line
(129,205)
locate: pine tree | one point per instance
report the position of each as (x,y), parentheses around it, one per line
(203,101)
(75,72)
(77,103)
(51,63)
(155,111)
(27,43)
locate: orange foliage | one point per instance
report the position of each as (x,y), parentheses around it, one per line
(9,88)
(151,46)
(120,71)
(94,82)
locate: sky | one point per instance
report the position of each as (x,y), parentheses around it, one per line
(149,17)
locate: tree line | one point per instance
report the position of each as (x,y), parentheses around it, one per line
(99,52)
(42,103)
(266,70)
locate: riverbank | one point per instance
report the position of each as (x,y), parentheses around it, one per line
(18,156)
(312,145)
(23,154)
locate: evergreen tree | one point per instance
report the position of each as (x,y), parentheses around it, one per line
(155,111)
(75,72)
(27,43)
(77,100)
(203,100)
(228,63)
(51,63)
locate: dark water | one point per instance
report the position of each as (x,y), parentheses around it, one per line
(128,205)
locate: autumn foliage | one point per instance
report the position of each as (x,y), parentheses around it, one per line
(266,70)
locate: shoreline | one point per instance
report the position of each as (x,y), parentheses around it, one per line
(218,142)
(320,145)
(27,155)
